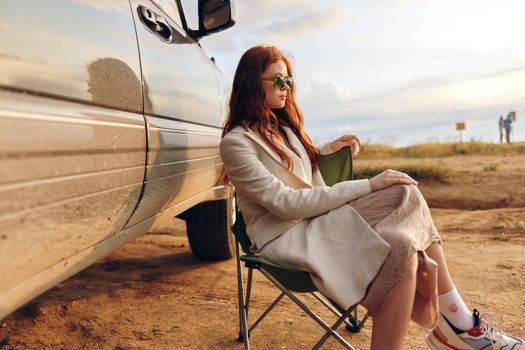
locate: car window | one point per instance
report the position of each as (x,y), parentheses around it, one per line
(170,8)
(191,13)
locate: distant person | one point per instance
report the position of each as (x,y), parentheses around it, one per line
(501,127)
(507,123)
(368,241)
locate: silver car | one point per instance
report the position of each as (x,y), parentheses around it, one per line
(110,121)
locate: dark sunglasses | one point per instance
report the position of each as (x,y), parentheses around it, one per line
(280,80)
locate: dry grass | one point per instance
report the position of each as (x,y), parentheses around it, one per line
(418,172)
(440,150)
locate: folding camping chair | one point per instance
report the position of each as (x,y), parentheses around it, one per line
(334,168)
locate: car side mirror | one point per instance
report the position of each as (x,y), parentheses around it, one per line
(214,16)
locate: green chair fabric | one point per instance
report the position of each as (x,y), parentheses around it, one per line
(239,230)
(294,280)
(337,167)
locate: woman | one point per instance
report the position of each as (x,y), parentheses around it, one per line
(368,241)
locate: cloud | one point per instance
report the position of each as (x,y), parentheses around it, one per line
(278,23)
(422,110)
(400,127)
(415,87)
(104,6)
(311,19)
(324,89)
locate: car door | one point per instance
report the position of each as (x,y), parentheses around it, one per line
(72,138)
(182,110)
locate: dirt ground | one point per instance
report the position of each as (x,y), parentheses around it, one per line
(154,294)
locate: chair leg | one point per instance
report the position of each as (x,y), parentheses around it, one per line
(352,323)
(330,331)
(265,313)
(243,320)
(356,325)
(248,290)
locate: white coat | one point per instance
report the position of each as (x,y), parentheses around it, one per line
(312,218)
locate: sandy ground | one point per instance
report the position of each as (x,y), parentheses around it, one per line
(154,294)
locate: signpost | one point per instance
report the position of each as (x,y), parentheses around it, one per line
(460,127)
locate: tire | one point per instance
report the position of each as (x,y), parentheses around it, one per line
(208,226)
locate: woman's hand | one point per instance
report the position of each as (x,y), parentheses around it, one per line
(346,140)
(388,178)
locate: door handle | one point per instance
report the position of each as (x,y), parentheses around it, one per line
(155,23)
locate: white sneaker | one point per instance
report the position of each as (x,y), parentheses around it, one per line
(484,335)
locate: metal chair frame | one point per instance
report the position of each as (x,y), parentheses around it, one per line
(349,317)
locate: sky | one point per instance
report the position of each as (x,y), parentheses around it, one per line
(398,72)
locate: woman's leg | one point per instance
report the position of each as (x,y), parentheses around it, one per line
(390,324)
(451,304)
(435,252)
(400,216)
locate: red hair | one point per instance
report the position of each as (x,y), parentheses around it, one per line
(248,107)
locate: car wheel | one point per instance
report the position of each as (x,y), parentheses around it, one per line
(208,226)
